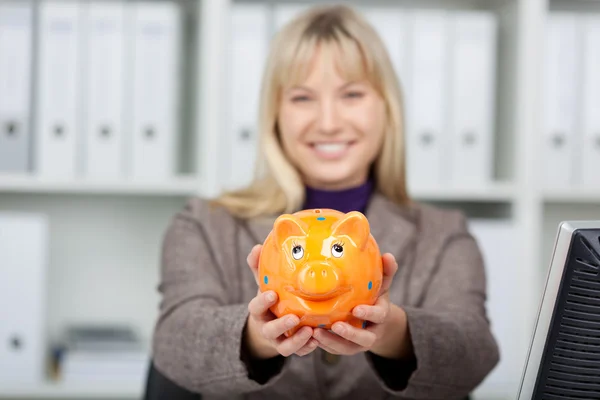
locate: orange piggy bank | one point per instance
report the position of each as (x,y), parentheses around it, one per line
(321,263)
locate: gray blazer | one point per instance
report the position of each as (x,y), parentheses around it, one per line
(206,286)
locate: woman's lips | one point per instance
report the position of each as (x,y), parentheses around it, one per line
(331,150)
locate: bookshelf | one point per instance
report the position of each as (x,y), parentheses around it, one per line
(120,222)
(177,186)
(90,391)
(494,192)
(573,196)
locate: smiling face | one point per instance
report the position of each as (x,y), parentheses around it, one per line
(331,124)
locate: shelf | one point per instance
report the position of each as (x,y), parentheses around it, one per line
(494,192)
(179,186)
(184,186)
(572,195)
(132,390)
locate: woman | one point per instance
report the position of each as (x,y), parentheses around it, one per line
(331,137)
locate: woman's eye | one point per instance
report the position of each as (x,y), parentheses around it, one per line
(337,250)
(297,252)
(296,99)
(354,94)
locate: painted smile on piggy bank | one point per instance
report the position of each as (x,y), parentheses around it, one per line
(322,263)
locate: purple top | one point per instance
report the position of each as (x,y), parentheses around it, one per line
(345,200)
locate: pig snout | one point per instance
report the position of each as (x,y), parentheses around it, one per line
(318,278)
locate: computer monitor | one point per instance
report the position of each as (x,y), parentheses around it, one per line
(563,361)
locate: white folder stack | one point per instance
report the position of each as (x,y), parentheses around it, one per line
(426,156)
(23,270)
(451,105)
(58,129)
(104,88)
(392,26)
(16,27)
(590,143)
(561,100)
(103,354)
(571,87)
(108,89)
(249,44)
(156,66)
(472,70)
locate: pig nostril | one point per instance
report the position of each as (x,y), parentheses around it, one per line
(312,274)
(324,273)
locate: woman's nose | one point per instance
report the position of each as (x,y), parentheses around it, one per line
(329,117)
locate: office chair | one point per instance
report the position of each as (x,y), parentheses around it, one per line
(159,387)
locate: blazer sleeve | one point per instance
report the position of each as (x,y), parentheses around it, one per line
(197,341)
(453,345)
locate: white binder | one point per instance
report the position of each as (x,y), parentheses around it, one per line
(104,68)
(249,46)
(561,99)
(426,132)
(58,133)
(15,85)
(472,70)
(24,252)
(155,93)
(391,25)
(588,171)
(497,241)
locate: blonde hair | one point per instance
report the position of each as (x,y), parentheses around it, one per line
(343,34)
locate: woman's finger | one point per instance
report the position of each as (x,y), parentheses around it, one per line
(288,346)
(335,343)
(390,267)
(253,259)
(277,327)
(259,305)
(327,349)
(308,348)
(376,313)
(361,337)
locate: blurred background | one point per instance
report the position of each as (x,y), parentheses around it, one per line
(114,112)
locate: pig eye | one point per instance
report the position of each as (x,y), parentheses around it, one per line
(337,250)
(297,252)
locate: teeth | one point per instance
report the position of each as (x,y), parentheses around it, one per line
(331,147)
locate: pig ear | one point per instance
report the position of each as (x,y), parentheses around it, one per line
(355,227)
(287,225)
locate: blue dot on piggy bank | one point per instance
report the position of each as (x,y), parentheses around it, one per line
(370,285)
(320,218)
(321,325)
(266,279)
(364,324)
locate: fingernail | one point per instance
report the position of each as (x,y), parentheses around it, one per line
(290,322)
(359,312)
(271,296)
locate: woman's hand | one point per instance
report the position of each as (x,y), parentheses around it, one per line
(265,332)
(387,335)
